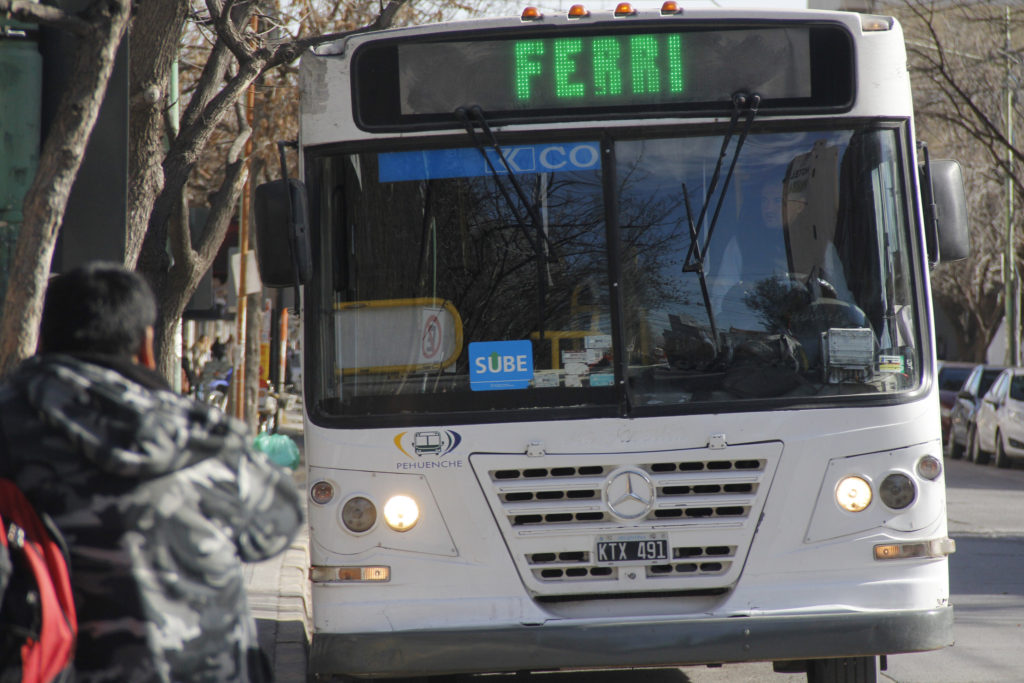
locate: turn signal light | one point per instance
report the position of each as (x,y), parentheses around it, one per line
(624,9)
(322,574)
(939,547)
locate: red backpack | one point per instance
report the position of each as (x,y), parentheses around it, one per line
(38,625)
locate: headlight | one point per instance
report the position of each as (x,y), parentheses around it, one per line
(929,467)
(359,514)
(401,513)
(897,491)
(853,494)
(321,492)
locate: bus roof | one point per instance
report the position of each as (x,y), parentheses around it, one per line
(604,16)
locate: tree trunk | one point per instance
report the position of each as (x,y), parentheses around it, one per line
(59,161)
(155,40)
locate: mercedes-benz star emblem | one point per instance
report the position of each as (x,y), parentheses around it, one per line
(629,493)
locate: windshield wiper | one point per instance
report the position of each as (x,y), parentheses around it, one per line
(696,251)
(470,119)
(740,102)
(698,267)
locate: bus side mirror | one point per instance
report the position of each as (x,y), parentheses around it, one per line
(946,225)
(282,233)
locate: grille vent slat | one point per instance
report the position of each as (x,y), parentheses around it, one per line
(687,491)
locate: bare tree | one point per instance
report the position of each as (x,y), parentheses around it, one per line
(239,56)
(99,29)
(164,154)
(964,57)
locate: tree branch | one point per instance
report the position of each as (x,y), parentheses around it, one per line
(289,51)
(44,15)
(230,25)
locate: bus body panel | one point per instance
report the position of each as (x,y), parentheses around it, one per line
(789,577)
(654,643)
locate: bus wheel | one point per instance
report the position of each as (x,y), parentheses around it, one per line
(1002,460)
(845,670)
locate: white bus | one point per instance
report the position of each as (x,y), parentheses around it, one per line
(618,344)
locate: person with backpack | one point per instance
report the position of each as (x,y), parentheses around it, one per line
(159,498)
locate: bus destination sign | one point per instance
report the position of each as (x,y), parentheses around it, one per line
(636,72)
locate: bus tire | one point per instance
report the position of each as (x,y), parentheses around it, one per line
(844,670)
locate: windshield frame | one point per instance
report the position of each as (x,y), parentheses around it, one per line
(619,402)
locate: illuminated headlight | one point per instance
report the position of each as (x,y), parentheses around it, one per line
(853,494)
(358,514)
(897,491)
(401,513)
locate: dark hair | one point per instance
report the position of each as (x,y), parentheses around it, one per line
(97,307)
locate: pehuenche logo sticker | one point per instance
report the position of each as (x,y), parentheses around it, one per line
(427,442)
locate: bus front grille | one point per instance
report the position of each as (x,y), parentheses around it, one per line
(553,511)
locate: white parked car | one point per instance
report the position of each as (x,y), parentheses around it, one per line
(999,424)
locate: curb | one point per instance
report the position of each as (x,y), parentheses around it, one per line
(279,597)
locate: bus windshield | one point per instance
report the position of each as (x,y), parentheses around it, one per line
(604,275)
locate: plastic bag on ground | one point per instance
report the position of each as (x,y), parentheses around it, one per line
(280,448)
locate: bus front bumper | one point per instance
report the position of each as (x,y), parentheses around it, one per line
(662,642)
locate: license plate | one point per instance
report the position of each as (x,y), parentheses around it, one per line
(635,548)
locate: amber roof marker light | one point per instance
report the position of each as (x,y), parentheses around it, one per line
(624,9)
(531,14)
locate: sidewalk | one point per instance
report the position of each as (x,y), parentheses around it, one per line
(278,588)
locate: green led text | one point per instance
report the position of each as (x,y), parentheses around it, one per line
(596,67)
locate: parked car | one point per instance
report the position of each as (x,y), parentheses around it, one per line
(999,423)
(961,415)
(951,377)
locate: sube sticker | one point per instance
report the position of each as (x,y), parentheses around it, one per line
(500,365)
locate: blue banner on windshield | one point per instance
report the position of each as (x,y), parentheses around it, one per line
(469,162)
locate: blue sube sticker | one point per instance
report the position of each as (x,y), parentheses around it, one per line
(500,365)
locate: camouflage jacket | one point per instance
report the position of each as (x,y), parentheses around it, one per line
(160,499)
